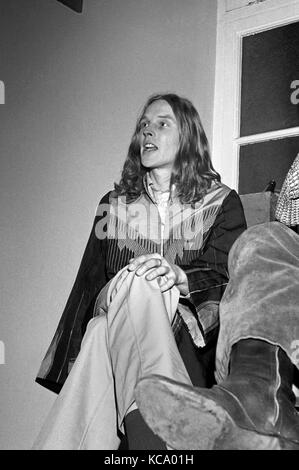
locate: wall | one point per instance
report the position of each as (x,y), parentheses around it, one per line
(74,84)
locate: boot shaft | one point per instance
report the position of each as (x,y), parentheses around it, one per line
(261,377)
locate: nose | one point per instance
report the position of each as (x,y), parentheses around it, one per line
(149,130)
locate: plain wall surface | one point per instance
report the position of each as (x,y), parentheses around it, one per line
(74,85)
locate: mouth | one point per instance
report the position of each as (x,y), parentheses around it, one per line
(149,147)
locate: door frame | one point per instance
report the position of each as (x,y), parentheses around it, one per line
(236,20)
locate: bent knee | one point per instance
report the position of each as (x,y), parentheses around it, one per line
(253,241)
(96,323)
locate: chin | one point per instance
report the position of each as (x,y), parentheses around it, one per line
(147,162)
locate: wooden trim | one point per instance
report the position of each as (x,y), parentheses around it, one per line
(232,27)
(273,135)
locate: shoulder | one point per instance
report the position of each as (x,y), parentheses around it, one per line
(227,194)
(106,199)
(232,198)
(112,198)
(232,209)
(229,203)
(216,194)
(103,206)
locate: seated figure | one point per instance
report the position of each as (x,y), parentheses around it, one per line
(146,297)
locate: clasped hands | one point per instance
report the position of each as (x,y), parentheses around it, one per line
(168,274)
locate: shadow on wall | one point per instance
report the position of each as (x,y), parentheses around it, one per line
(76,5)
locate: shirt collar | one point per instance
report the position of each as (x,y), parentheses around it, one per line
(148,186)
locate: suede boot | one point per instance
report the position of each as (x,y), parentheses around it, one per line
(253,409)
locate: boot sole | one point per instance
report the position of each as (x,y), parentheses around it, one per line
(187,420)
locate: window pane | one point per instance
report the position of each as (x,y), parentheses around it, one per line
(261,162)
(270,65)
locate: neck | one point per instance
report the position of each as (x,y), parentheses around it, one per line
(160,179)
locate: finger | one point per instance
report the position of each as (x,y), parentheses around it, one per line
(160,271)
(167,285)
(135,262)
(152,263)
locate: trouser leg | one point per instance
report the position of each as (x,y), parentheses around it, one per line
(130,337)
(140,336)
(84,414)
(139,436)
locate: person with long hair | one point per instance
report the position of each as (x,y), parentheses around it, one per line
(146,296)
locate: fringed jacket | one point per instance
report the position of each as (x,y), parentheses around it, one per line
(197,238)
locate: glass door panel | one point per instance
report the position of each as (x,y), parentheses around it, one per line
(264,161)
(270,80)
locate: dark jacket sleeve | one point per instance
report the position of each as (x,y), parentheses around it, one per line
(66,343)
(208,274)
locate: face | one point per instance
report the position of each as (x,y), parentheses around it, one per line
(158,136)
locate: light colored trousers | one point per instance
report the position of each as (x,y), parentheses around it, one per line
(131,337)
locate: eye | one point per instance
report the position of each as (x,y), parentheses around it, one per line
(143,124)
(163,124)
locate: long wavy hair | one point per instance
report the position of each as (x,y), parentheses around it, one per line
(192,172)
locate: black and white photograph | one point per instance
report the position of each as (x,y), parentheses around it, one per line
(149,165)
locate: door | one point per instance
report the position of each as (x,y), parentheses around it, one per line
(256,114)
